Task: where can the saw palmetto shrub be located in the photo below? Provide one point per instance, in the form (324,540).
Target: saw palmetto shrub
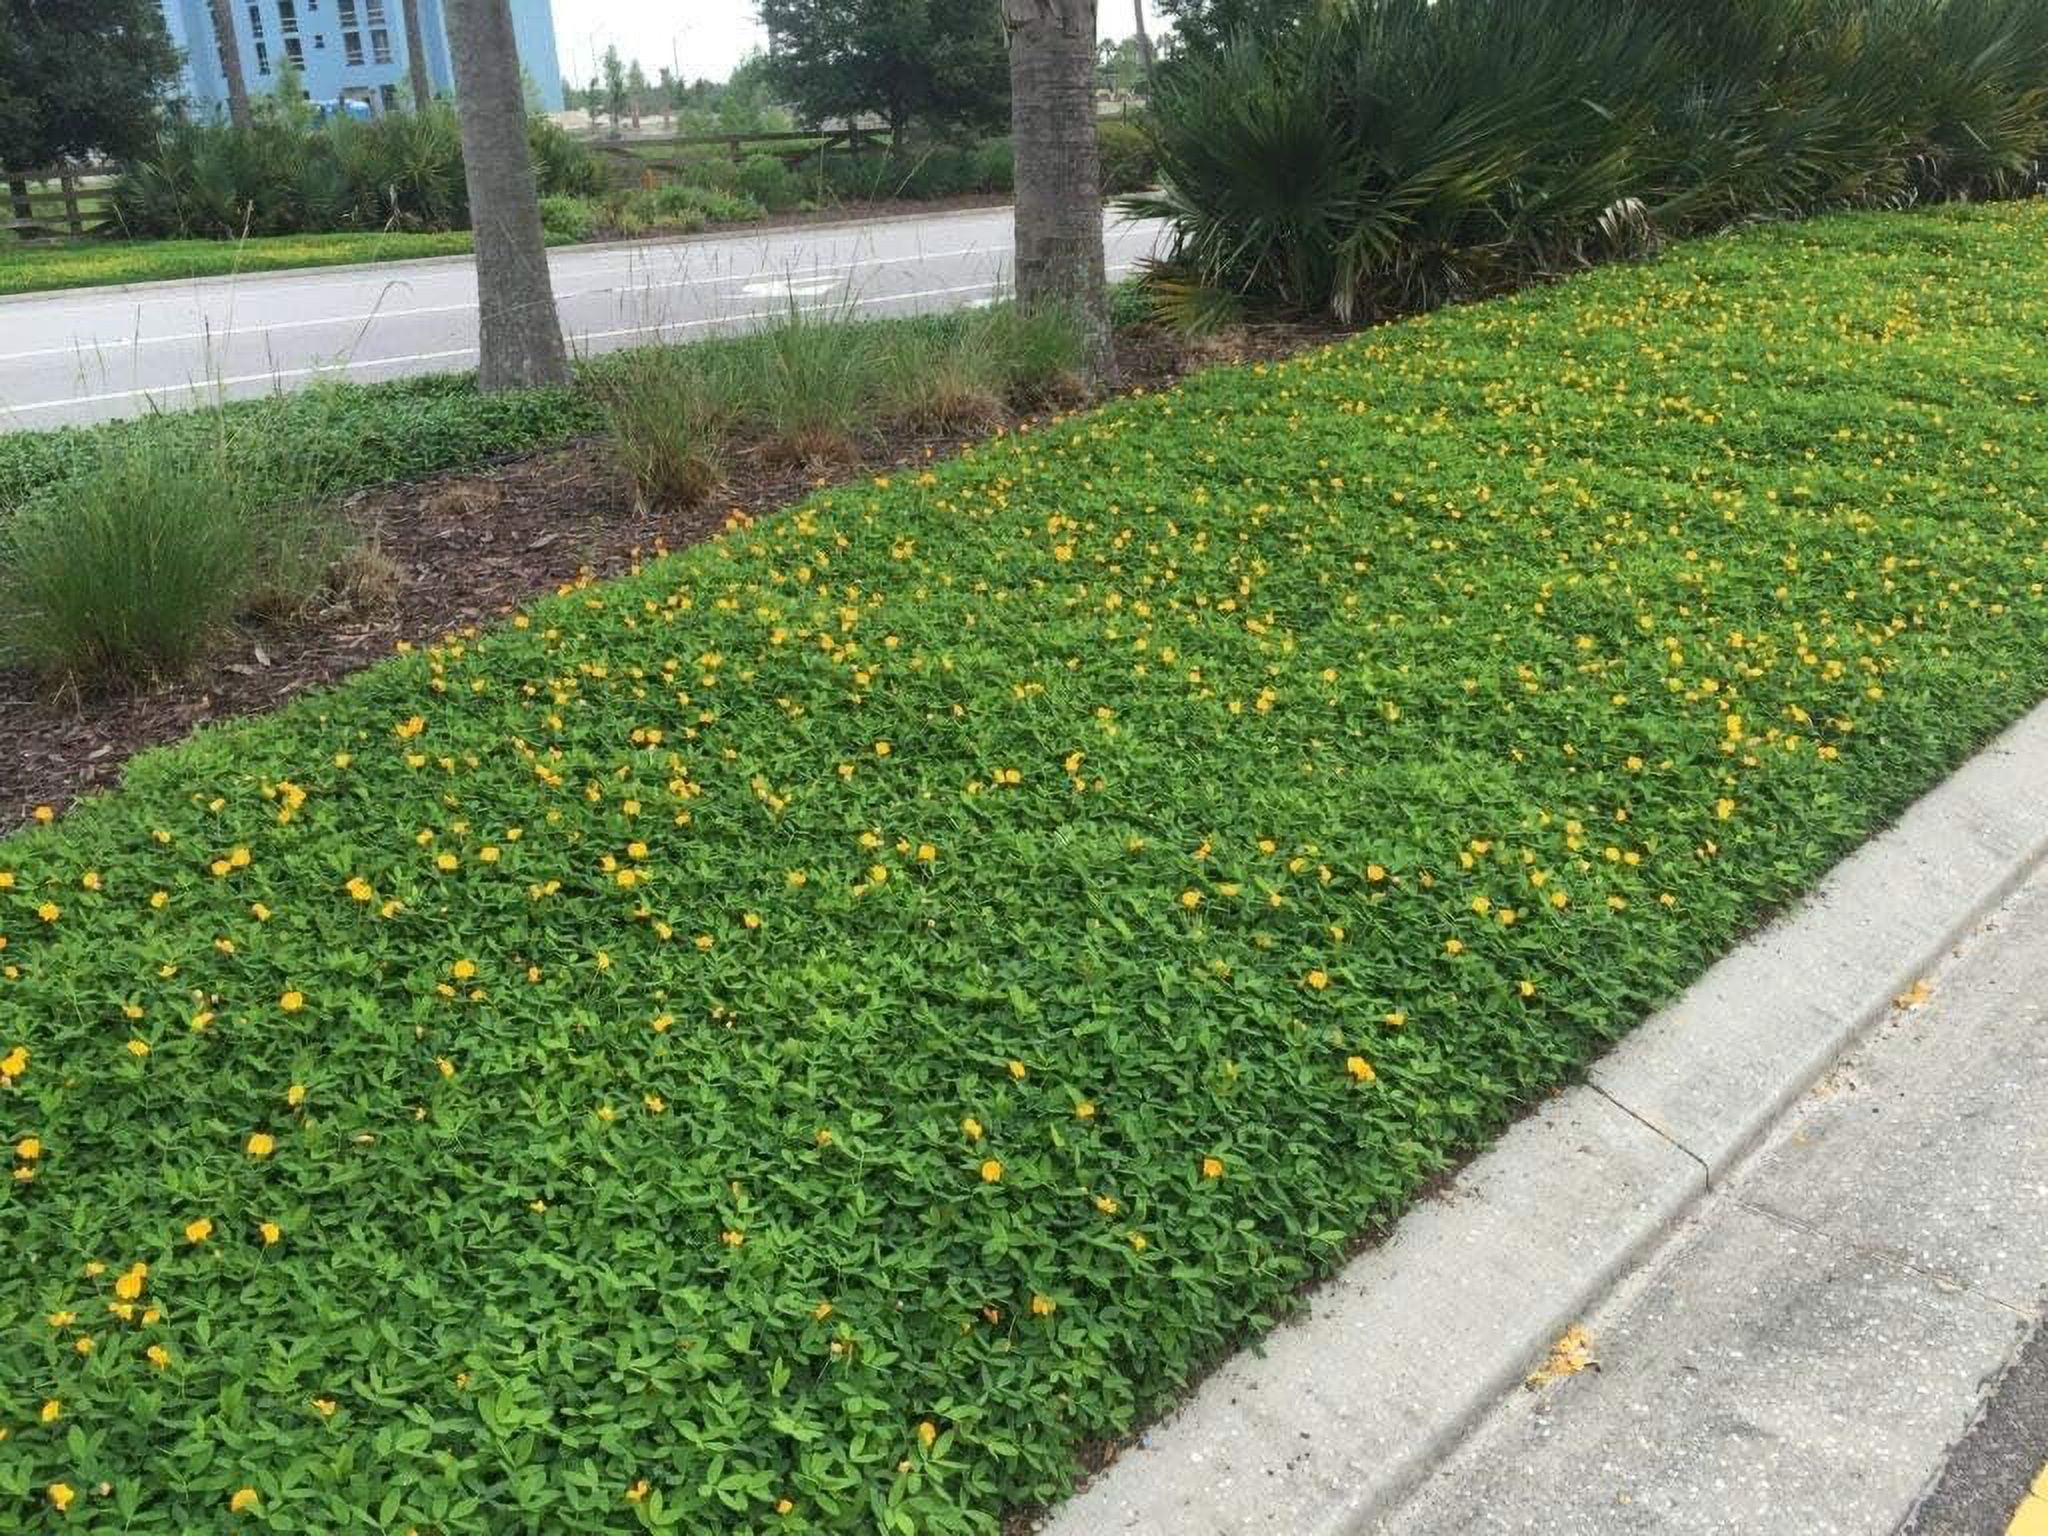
(1397,154)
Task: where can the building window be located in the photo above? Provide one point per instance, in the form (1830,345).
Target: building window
(255,22)
(287,16)
(376,10)
(348,13)
(390,95)
(296,52)
(380,45)
(352,47)
(319,40)
(262,58)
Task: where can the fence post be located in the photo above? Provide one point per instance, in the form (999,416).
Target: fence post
(69,184)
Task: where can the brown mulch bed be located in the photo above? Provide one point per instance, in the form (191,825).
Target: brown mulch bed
(463,548)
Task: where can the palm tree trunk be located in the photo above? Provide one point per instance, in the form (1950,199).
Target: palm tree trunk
(1145,55)
(1059,173)
(519,337)
(231,62)
(416,56)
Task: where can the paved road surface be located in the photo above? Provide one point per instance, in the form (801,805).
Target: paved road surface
(94,354)
(1836,1342)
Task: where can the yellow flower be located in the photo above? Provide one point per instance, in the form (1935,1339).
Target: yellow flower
(52,1411)
(28,1149)
(1018,1070)
(639,1491)
(138,1048)
(158,1356)
(1360,1069)
(49,911)
(971,1128)
(822,1311)
(732,1238)
(1107,1204)
(1085,1110)
(1454,946)
(991,1172)
(295,1095)
(61,1495)
(292,1002)
(14,1063)
(270,1232)
(130,1284)
(1318,980)
(1191,899)
(1138,1243)
(783,1506)
(1212,1167)
(1043,1306)
(324,1406)
(198,1231)
(462,970)
(242,1500)
(262,1144)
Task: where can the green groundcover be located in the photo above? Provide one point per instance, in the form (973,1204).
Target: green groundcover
(807,1037)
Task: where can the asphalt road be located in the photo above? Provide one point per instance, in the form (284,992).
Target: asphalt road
(95,354)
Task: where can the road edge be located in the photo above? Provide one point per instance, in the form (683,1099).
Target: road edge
(1335,1417)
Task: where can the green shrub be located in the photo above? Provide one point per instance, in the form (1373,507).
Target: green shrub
(1392,154)
(214,182)
(1128,164)
(126,572)
(568,218)
(769,182)
(402,170)
(995,168)
(680,206)
(562,164)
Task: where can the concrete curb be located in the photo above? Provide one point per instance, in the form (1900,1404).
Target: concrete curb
(1342,1413)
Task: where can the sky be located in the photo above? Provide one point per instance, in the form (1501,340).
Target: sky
(705,38)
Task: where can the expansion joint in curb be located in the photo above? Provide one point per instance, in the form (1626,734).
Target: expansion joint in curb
(1706,1171)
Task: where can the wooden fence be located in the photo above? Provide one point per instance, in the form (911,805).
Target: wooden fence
(62,200)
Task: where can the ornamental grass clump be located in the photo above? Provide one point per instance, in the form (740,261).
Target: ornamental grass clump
(125,572)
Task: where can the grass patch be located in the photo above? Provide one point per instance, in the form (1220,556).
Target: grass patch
(799,1039)
(332,438)
(33,266)
(128,570)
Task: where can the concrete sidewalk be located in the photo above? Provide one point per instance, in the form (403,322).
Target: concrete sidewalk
(1807,1347)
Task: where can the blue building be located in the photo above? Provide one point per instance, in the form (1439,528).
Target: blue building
(350,54)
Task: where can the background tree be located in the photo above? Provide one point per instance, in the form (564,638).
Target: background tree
(636,91)
(937,62)
(1205,26)
(1059,171)
(223,12)
(519,342)
(416,56)
(614,87)
(80,77)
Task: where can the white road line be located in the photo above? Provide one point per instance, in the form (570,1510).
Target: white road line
(657,329)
